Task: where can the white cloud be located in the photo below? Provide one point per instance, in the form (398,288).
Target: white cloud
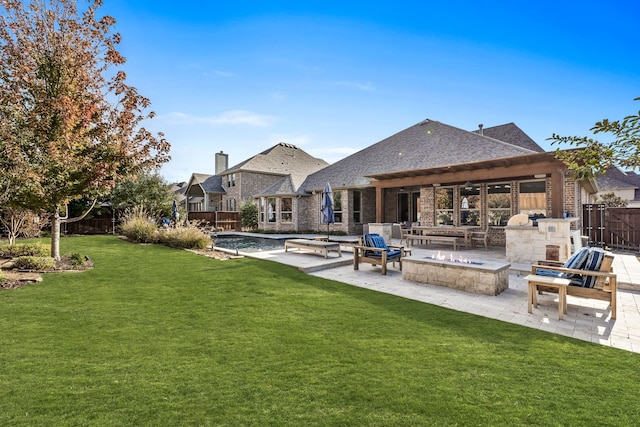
(226,118)
(366,86)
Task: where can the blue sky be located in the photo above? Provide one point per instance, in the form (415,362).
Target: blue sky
(335,77)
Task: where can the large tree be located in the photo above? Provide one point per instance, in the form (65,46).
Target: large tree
(149,191)
(70,126)
(593,157)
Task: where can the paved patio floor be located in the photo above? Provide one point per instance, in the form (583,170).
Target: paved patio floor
(587,319)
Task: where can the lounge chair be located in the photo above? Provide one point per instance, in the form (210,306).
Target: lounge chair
(588,274)
(373,249)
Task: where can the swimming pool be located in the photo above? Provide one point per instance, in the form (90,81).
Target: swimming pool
(248,243)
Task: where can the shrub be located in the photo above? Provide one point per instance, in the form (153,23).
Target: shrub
(249,215)
(24,249)
(187,237)
(77,260)
(138,226)
(34,263)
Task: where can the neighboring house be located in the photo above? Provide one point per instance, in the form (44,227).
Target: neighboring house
(623,184)
(204,193)
(271,178)
(179,189)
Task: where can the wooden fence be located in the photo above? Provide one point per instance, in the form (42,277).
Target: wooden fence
(219,220)
(89,226)
(617,228)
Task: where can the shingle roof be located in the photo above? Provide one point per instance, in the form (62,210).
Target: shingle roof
(427,144)
(282,186)
(281,159)
(615,179)
(209,183)
(513,135)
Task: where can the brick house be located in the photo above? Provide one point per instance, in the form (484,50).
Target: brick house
(276,174)
(434,173)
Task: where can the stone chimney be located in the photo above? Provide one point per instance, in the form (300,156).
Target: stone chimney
(480,129)
(222,162)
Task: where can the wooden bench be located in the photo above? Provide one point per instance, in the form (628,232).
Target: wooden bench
(313,245)
(604,289)
(409,238)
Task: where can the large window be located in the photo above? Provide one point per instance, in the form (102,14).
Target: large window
(533,198)
(231,180)
(470,205)
(271,209)
(286,209)
(337,206)
(499,203)
(357,206)
(444,206)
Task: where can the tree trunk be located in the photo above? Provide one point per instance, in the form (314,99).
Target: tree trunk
(55,235)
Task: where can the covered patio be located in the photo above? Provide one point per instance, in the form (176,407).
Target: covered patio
(482,194)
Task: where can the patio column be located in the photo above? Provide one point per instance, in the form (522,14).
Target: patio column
(379,204)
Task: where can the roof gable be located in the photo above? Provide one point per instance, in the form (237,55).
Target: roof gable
(208,183)
(428,144)
(283,186)
(281,159)
(512,134)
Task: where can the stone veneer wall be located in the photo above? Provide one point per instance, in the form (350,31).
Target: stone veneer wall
(489,278)
(427,205)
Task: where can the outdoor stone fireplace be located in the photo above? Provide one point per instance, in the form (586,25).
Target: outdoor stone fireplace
(486,277)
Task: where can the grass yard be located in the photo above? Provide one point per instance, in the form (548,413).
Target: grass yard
(156,336)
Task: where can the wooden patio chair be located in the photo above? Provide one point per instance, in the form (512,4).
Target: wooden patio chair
(373,249)
(480,236)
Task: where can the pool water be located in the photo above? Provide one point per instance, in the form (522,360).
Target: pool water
(248,243)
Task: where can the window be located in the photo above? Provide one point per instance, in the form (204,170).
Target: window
(470,205)
(286,209)
(444,206)
(533,198)
(499,203)
(357,203)
(271,209)
(231,180)
(337,206)
(262,208)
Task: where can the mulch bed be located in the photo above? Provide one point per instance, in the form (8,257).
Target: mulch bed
(14,279)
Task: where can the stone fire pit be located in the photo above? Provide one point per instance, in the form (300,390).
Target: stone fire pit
(482,277)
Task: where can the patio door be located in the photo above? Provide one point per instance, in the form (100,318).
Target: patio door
(403,207)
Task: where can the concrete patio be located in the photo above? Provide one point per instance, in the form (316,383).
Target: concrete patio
(588,320)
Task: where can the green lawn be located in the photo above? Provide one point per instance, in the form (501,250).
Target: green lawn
(157,336)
